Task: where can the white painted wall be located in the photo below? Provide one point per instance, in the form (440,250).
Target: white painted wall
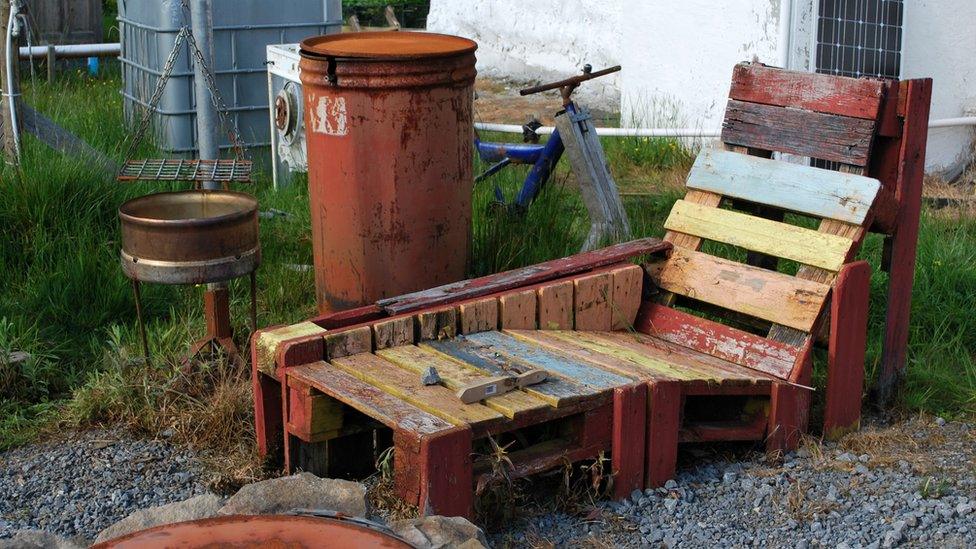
(940,42)
(538,40)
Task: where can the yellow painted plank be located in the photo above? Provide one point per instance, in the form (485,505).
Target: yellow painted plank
(802,245)
(439,401)
(769,295)
(268,341)
(456,374)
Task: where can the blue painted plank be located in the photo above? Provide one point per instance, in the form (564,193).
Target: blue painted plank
(514,349)
(795,187)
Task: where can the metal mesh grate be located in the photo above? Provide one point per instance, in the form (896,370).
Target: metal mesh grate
(186,170)
(860,37)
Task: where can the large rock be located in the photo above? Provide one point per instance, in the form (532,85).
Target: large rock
(195,508)
(301,491)
(437,532)
(37,539)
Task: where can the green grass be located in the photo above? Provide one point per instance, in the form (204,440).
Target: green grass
(63,297)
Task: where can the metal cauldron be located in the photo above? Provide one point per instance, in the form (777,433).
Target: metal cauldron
(190,237)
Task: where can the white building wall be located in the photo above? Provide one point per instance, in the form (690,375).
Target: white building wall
(940,42)
(540,40)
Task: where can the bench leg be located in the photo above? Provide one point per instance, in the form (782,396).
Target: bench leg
(848,335)
(789,406)
(627,443)
(446,475)
(663,423)
(268,421)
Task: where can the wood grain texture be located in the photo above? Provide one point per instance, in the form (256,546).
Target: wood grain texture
(556,306)
(794,187)
(517,310)
(845,352)
(394,332)
(760,235)
(267,341)
(446,474)
(377,404)
(628,285)
(627,439)
(348,342)
(663,425)
(718,340)
(855,97)
(479,316)
(591,301)
(435,399)
(456,375)
(768,295)
(817,135)
(438,324)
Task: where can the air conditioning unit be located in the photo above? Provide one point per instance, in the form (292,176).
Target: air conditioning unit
(287,113)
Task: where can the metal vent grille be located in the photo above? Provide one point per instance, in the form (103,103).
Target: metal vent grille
(860,37)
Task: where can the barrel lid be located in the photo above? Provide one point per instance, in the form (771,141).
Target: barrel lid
(387,45)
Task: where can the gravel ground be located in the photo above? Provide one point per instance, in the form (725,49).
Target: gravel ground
(913,485)
(83,483)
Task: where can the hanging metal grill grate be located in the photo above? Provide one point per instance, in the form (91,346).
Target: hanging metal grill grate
(222,171)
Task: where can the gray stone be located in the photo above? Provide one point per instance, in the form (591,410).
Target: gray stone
(437,532)
(671,484)
(940,421)
(430,376)
(301,491)
(38,539)
(199,507)
(729,477)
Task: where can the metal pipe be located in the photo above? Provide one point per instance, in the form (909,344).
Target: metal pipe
(784,43)
(953,122)
(66,51)
(11,94)
(201,21)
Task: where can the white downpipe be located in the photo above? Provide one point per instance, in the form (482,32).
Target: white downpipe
(785,33)
(10,95)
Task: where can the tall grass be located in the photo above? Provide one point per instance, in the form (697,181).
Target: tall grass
(64,300)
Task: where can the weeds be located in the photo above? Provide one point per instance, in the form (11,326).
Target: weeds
(930,488)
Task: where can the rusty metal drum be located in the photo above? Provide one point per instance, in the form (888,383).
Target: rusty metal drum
(190,237)
(388,119)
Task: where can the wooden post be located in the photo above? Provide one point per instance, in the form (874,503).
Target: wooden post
(9,143)
(848,335)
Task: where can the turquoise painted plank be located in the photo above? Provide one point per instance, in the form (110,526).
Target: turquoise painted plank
(485,358)
(795,187)
(514,349)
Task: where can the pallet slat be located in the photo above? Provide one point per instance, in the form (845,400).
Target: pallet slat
(804,189)
(757,292)
(817,135)
(761,235)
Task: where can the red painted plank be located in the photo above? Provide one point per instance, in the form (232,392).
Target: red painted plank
(855,97)
(805,133)
(718,340)
(541,272)
(848,336)
(663,423)
(627,442)
(908,191)
(446,474)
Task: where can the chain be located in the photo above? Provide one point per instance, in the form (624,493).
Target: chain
(218,102)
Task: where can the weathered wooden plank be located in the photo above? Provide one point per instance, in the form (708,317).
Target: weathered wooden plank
(439,324)
(794,187)
(456,374)
(394,332)
(479,316)
(591,302)
(542,272)
(435,399)
(760,235)
(387,409)
(517,311)
(556,306)
(719,340)
(519,351)
(817,135)
(626,296)
(855,97)
(348,342)
(845,362)
(768,295)
(555,390)
(268,341)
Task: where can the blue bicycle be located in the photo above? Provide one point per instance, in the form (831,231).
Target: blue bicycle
(542,157)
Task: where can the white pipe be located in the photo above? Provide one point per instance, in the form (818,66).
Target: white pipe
(953,122)
(610,132)
(785,32)
(109,49)
(10,95)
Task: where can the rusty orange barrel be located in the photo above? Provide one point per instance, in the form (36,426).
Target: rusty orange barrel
(388,121)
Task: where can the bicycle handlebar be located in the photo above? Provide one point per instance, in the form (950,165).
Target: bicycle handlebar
(574,81)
